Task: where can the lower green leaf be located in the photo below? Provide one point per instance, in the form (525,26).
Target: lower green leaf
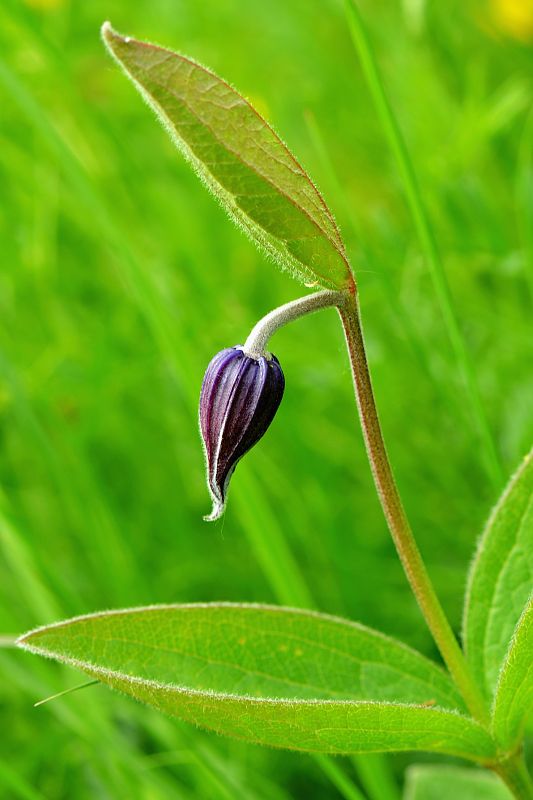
(429,782)
(281,677)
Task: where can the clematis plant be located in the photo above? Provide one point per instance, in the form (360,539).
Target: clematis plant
(334,686)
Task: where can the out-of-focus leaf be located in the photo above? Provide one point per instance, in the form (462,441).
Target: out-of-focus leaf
(432,782)
(276,676)
(501,579)
(240,159)
(514,693)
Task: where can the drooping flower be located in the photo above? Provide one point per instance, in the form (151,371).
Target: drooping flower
(239,398)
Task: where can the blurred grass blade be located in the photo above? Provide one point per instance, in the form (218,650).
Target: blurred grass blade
(270,675)
(514,694)
(499,584)
(443,782)
(523,191)
(64,693)
(16,784)
(240,159)
(337,777)
(426,235)
(376,776)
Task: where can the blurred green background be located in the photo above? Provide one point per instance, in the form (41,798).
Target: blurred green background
(120,278)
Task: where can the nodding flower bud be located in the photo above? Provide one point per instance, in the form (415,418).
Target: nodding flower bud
(239,398)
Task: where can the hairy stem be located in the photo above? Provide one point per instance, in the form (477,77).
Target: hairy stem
(257,341)
(396,518)
(515,775)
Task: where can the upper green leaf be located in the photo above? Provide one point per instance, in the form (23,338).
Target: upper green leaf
(278,676)
(240,159)
(501,579)
(514,693)
(444,782)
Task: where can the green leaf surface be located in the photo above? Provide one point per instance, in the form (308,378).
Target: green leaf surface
(431,782)
(240,159)
(277,676)
(513,702)
(501,579)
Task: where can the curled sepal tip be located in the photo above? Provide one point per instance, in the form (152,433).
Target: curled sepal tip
(239,398)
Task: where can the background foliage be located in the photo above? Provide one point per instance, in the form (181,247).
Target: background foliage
(121,277)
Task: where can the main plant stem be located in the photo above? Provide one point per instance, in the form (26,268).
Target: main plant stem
(515,775)
(396,518)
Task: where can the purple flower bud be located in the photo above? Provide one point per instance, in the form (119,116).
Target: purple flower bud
(239,398)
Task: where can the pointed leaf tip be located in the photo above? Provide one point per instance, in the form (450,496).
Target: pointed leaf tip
(107,31)
(113,40)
